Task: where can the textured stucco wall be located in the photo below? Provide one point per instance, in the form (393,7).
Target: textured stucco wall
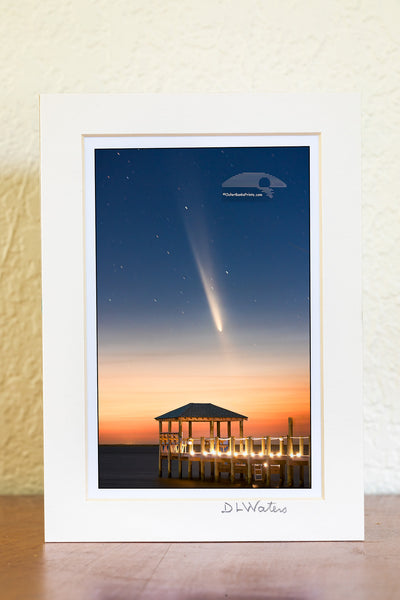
(191,46)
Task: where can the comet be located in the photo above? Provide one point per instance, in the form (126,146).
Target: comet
(197,234)
(210,292)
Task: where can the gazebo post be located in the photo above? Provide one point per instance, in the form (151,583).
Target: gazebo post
(241,436)
(202,476)
(218,428)
(169,447)
(179,450)
(211,435)
(190,448)
(232,451)
(229,425)
(159,449)
(212,448)
(216,472)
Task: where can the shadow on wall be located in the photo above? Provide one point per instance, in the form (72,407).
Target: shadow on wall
(21,437)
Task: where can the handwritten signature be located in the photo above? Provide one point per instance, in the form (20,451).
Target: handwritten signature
(260,506)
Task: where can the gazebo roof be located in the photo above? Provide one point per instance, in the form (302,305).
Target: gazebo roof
(200,411)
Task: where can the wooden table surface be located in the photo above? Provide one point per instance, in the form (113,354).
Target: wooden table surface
(29,569)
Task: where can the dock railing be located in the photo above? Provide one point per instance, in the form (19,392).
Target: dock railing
(268,446)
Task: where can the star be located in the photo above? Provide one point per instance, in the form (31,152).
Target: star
(155,300)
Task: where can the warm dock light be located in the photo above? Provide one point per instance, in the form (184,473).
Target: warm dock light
(219,453)
(292,455)
(205,453)
(298,454)
(279,454)
(252,454)
(265,464)
(244,453)
(235,454)
(260,454)
(192,453)
(229,453)
(271,454)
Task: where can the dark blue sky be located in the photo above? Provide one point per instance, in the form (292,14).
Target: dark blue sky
(156,207)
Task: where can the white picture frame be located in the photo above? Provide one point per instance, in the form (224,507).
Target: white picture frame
(72,126)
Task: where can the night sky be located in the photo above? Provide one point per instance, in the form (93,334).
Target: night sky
(176,262)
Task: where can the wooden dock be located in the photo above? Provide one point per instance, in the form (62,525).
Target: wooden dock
(270,461)
(264,461)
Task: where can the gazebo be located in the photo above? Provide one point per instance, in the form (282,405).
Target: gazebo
(204,413)
(173,443)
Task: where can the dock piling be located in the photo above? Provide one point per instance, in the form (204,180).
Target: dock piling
(202,471)
(232,452)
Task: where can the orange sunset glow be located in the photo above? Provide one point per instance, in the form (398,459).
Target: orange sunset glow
(131,395)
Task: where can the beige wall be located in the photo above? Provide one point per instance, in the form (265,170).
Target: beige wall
(207,46)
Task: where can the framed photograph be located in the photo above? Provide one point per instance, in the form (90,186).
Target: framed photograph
(202,317)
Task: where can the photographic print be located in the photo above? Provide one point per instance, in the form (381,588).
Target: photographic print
(203,316)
